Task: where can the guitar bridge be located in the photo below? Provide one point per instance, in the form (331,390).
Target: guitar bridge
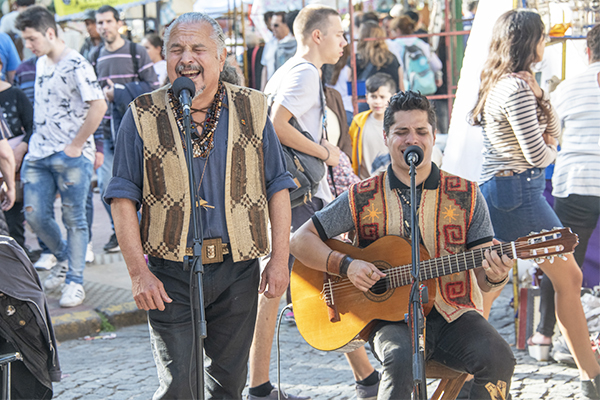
(327,296)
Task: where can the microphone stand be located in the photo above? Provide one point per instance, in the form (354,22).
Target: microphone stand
(196,262)
(416,306)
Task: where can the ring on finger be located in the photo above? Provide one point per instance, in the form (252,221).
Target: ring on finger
(370,274)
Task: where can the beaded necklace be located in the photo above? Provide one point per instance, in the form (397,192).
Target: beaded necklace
(202,143)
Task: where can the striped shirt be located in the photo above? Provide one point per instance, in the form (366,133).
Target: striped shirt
(513,124)
(577,168)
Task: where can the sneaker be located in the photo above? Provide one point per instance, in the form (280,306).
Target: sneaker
(57,275)
(274,395)
(72,295)
(367,392)
(45,262)
(113,245)
(89,254)
(288,318)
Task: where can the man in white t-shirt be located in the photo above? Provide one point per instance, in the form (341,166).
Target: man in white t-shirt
(69,106)
(297,93)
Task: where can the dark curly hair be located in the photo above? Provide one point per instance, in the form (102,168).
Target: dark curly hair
(408,101)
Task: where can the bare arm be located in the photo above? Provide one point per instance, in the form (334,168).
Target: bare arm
(401,78)
(148,291)
(7,167)
(275,277)
(308,248)
(289,136)
(496,268)
(92,121)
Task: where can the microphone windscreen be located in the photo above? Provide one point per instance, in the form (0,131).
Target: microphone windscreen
(415,150)
(183,83)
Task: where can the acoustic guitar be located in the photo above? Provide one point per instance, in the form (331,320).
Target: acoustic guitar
(332,314)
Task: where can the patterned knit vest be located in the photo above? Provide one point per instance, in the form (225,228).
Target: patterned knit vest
(444,218)
(166,208)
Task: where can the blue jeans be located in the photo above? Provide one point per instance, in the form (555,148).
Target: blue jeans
(104,174)
(517,204)
(71,178)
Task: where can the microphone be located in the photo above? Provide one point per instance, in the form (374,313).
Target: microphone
(184,89)
(413,154)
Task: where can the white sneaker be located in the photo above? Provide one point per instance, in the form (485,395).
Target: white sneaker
(72,295)
(89,254)
(45,262)
(57,275)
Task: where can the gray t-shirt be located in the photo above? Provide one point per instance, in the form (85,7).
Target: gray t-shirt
(61,94)
(336,218)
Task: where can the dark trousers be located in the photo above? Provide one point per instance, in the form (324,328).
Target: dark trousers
(230,300)
(15,218)
(580,213)
(468,344)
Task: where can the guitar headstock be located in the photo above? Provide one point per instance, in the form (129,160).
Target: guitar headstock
(546,244)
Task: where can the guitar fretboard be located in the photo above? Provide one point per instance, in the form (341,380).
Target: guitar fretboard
(445,265)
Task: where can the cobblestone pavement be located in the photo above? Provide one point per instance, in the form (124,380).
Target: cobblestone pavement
(122,367)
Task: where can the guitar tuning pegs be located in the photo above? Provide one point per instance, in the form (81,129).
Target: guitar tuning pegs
(538,260)
(551,259)
(545,230)
(563,257)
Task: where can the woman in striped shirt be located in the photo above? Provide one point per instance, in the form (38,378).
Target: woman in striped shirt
(520,137)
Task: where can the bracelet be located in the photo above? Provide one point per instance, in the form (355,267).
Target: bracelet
(334,261)
(345,264)
(495,284)
(328,153)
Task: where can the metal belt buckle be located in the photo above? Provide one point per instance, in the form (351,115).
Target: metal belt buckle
(506,172)
(212,251)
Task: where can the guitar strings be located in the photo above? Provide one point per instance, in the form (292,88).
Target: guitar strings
(402,275)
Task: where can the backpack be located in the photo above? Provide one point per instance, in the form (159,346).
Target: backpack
(417,71)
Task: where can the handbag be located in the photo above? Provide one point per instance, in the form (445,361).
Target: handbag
(343,176)
(307,171)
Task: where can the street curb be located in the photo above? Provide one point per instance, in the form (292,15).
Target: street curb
(83,323)
(124,314)
(75,325)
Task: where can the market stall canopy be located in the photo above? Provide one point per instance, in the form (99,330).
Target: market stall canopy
(217,8)
(67,10)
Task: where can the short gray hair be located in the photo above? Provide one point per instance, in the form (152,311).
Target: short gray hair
(194,18)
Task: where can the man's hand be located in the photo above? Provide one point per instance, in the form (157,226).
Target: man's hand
(72,150)
(364,274)
(550,141)
(19,153)
(109,90)
(275,278)
(149,292)
(7,196)
(334,153)
(98,160)
(495,267)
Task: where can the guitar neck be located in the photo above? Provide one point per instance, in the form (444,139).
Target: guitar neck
(446,265)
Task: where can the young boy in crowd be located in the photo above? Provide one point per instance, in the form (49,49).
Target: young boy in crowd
(369,152)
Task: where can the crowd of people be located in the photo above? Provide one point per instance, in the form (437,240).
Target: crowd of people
(109,109)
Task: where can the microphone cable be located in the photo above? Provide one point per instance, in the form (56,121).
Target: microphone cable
(288,307)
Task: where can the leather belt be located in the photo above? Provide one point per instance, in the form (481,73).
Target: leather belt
(506,172)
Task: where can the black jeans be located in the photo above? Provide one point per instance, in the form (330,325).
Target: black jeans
(468,344)
(230,300)
(580,213)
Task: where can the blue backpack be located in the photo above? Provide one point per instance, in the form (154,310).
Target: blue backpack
(417,71)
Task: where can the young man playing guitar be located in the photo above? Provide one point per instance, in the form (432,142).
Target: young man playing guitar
(453,218)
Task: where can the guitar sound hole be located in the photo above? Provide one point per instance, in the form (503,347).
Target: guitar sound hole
(380,287)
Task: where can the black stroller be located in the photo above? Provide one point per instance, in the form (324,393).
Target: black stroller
(28,356)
